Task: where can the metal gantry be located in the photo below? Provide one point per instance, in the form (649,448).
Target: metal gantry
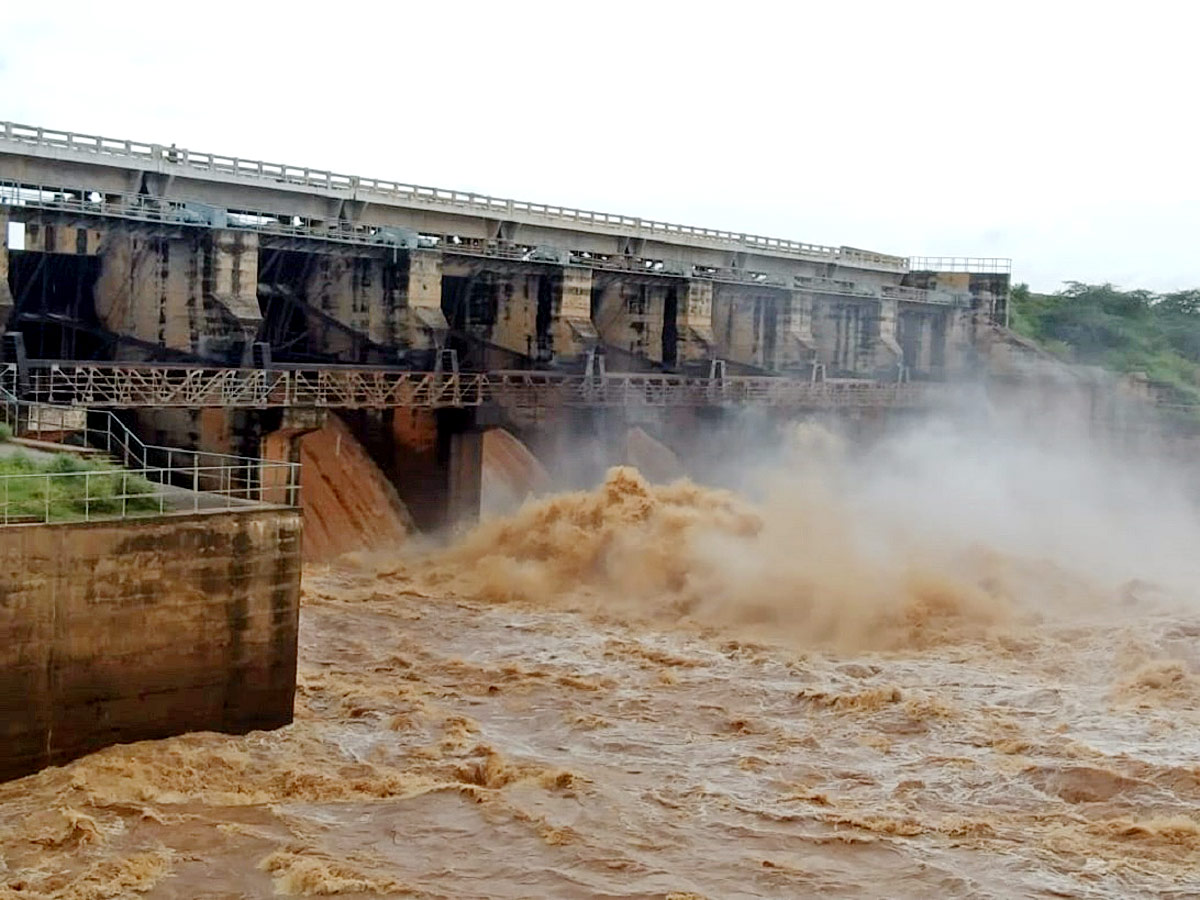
(144,385)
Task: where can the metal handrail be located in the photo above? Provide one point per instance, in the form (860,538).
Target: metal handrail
(93,495)
(181,474)
(111,434)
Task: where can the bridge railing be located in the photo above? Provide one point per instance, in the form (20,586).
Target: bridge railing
(421,195)
(87,143)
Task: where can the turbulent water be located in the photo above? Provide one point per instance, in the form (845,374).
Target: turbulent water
(676,692)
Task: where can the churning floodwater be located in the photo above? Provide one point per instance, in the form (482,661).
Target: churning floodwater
(970,673)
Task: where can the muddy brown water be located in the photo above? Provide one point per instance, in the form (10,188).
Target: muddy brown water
(552,709)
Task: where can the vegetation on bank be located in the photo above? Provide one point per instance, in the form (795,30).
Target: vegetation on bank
(1123,331)
(77,488)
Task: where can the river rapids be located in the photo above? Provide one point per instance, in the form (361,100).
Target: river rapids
(648,691)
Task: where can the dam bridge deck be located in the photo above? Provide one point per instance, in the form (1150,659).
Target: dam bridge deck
(213,168)
(342,205)
(39,203)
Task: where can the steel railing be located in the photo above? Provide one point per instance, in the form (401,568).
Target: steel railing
(146,479)
(90,495)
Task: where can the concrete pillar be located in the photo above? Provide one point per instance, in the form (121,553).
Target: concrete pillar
(629,317)
(734,325)
(842,329)
(356,292)
(888,354)
(910,334)
(929,349)
(694,323)
(197,294)
(538,311)
(6,297)
(797,346)
(422,324)
(283,445)
(967,341)
(765,327)
(152,288)
(231,281)
(436,465)
(922,332)
(464,473)
(571,331)
(516,295)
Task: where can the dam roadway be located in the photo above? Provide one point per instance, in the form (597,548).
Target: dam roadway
(35,155)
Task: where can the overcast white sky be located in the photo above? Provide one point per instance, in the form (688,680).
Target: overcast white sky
(1060,134)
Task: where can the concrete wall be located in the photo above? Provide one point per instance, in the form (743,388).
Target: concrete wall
(631,313)
(125,631)
(197,291)
(747,323)
(537,310)
(355,291)
(151,288)
(922,332)
(847,333)
(423,324)
(572,332)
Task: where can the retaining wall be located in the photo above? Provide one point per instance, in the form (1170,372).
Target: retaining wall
(122,631)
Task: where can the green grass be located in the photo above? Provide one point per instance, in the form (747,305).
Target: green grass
(78,489)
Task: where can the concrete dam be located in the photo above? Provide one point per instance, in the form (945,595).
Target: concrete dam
(917,625)
(229,305)
(275,346)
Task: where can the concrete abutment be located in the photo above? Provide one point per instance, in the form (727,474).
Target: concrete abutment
(132,630)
